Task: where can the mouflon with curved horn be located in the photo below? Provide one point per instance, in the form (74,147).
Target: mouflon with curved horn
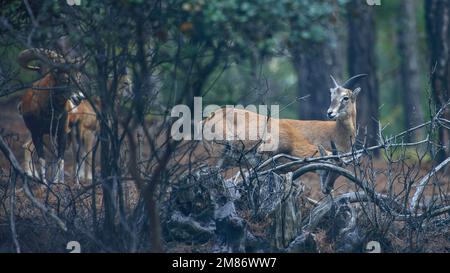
(43,106)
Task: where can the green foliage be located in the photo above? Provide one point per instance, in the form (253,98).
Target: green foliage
(257,24)
(226,48)
(391,104)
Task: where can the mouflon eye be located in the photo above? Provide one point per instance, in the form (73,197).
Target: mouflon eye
(346,98)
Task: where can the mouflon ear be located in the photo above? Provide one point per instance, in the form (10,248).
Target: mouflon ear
(356,92)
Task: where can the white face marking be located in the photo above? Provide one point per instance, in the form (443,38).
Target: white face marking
(340,102)
(73,108)
(80,95)
(77,97)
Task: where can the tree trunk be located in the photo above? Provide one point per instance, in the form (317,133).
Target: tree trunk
(361,59)
(107,171)
(314,65)
(437,13)
(409,66)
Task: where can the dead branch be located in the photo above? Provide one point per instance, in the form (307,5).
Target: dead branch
(18,169)
(11,215)
(423,183)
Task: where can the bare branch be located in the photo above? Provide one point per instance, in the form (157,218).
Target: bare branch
(423,183)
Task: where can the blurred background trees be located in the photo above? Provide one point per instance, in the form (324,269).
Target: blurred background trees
(409,54)
(362,60)
(291,47)
(438,30)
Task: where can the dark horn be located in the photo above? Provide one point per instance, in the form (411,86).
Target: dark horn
(25,57)
(353,80)
(46,57)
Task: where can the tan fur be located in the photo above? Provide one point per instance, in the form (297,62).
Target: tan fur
(341,132)
(291,141)
(44,113)
(43,105)
(299,138)
(84,125)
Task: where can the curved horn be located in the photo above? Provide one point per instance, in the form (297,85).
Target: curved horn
(25,57)
(334,81)
(46,56)
(353,80)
